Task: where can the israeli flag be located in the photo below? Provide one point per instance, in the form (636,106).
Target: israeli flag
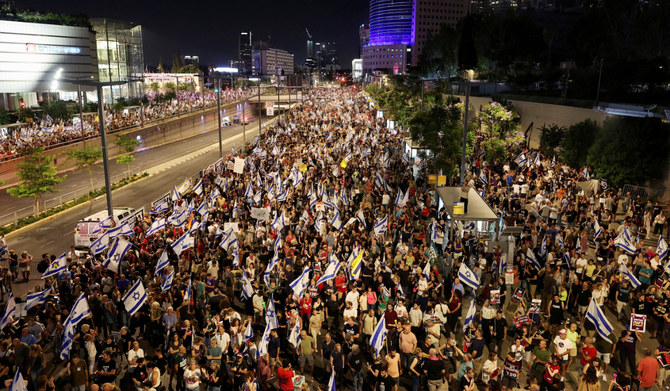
(530,257)
(633,280)
(68,335)
(160,208)
(400,290)
(279,222)
(379,336)
(162,263)
(3,245)
(520,160)
(198,189)
(470,316)
(116,253)
(156,226)
(300,284)
(403,201)
(553,161)
(468,277)
(249,193)
(543,248)
(10,310)
(100,244)
(597,229)
(381,226)
(80,310)
(229,239)
(247,288)
(264,342)
(166,285)
(18,384)
(586,173)
(268,269)
(202,208)
(124,230)
(537,159)
(559,241)
(336,222)
(597,317)
(248,332)
(483,178)
(271,315)
(331,382)
(426,270)
(188,294)
(621,242)
(294,339)
(330,273)
(566,259)
(183,243)
(175,195)
(662,248)
(603,184)
(36,299)
(135,297)
(219,181)
(178,218)
(361,217)
(57,266)
(107,223)
(578,245)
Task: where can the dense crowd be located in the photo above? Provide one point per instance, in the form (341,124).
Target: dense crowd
(48,132)
(355,279)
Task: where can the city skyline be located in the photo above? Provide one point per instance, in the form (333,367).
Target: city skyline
(195,32)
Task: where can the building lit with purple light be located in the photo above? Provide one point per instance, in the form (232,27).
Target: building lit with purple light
(390,36)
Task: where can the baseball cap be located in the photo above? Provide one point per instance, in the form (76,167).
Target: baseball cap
(562,331)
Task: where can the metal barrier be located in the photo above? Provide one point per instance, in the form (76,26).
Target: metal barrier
(647,193)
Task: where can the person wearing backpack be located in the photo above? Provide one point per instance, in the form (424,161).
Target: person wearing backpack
(416,368)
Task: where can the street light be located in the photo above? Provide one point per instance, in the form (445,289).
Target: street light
(469,73)
(103,139)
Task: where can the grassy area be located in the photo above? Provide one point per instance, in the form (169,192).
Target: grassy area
(24,221)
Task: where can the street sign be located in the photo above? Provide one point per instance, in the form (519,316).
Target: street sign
(270,108)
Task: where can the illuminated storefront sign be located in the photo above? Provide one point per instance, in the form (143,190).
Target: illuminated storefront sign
(50,49)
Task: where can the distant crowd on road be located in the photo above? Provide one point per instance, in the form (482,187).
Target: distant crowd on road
(319,255)
(48,132)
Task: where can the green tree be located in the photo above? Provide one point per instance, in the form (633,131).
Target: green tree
(495,151)
(177,63)
(4,117)
(154,87)
(85,159)
(439,130)
(57,110)
(25,113)
(576,142)
(191,68)
(630,150)
(127,145)
(169,86)
(550,138)
(38,176)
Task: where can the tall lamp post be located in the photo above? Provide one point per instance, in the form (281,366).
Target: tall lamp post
(217,90)
(259,105)
(468,77)
(103,137)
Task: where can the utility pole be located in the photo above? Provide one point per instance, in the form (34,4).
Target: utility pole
(465,127)
(81,115)
(218,114)
(244,119)
(600,74)
(259,104)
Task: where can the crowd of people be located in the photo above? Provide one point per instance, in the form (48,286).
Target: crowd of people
(48,132)
(314,259)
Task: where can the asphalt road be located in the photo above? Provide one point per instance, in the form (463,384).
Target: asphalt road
(183,159)
(77,182)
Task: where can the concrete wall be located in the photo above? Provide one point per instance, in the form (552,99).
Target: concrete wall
(542,113)
(158,133)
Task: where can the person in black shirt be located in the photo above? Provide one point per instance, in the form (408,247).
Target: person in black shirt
(106,369)
(384,381)
(498,331)
(374,372)
(434,369)
(355,365)
(467,382)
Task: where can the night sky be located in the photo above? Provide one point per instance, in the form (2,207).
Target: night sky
(209,29)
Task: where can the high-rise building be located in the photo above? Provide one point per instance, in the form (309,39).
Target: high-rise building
(390,36)
(244,53)
(429,16)
(271,61)
(327,57)
(363,37)
(120,57)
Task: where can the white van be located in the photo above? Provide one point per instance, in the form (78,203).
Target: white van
(83,236)
(225,121)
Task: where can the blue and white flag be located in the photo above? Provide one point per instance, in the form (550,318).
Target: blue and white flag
(271,314)
(578,245)
(662,248)
(566,259)
(520,160)
(247,288)
(3,245)
(300,284)
(597,229)
(530,257)
(175,194)
(468,277)
(162,263)
(116,253)
(279,222)
(537,159)
(160,208)
(188,294)
(135,297)
(229,240)
(330,273)
(202,208)
(182,244)
(400,290)
(483,178)
(603,184)
(559,241)
(381,226)
(100,244)
(361,218)
(249,193)
(543,248)
(178,217)
(264,342)
(18,384)
(268,269)
(198,189)
(80,310)
(36,299)
(336,222)
(248,332)
(401,202)
(379,336)
(586,174)
(470,316)
(156,226)
(553,161)
(294,338)
(166,285)
(8,313)
(331,383)
(124,230)
(107,223)
(624,244)
(57,266)
(597,317)
(633,280)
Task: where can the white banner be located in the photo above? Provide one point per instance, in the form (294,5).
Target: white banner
(260,214)
(239,166)
(228,226)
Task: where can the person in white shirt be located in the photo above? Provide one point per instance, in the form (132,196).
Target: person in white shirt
(352,297)
(580,264)
(135,353)
(400,309)
(415,315)
(350,311)
(599,293)
(192,376)
(562,346)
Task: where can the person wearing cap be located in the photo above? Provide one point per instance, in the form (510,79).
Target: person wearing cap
(562,346)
